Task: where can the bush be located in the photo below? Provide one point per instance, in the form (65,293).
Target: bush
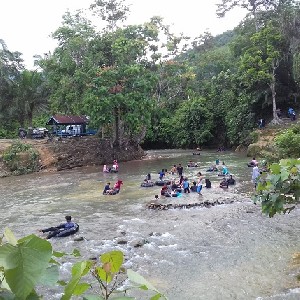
(288,142)
(21,158)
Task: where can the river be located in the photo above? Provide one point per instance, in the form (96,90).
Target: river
(228,251)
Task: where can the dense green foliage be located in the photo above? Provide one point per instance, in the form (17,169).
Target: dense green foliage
(21,158)
(288,142)
(143,83)
(30,263)
(278,190)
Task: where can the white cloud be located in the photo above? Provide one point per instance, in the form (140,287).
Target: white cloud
(26,25)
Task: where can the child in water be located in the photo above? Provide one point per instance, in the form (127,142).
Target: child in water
(106,189)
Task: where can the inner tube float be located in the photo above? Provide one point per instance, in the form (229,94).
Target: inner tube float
(147,184)
(250,165)
(162,182)
(113,171)
(196,153)
(221,174)
(212,170)
(112,193)
(192,165)
(177,194)
(68,232)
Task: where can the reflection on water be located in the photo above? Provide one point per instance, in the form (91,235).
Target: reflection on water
(224,252)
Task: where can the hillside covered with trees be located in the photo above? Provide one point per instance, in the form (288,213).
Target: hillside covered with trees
(142,83)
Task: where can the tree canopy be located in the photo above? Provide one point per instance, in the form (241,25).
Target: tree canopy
(141,82)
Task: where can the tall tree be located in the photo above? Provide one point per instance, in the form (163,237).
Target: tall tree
(253,6)
(11,66)
(31,96)
(68,69)
(110,11)
(261,60)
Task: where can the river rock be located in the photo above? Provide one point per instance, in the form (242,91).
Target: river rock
(122,242)
(155,234)
(139,243)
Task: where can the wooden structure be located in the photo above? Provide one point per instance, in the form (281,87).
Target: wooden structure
(66,125)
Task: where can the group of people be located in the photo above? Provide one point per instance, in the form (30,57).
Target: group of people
(175,170)
(172,190)
(290,113)
(114,190)
(182,185)
(113,169)
(226,182)
(223,170)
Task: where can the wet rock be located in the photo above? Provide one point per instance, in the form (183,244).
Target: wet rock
(122,242)
(93,258)
(78,239)
(207,204)
(155,234)
(139,243)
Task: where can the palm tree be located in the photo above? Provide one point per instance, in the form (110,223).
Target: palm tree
(32,95)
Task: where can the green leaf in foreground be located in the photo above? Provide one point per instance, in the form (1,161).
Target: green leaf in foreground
(92,297)
(139,279)
(11,239)
(25,263)
(79,270)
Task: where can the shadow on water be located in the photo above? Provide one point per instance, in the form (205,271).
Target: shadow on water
(224,252)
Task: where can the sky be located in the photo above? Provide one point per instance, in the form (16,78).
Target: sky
(26,25)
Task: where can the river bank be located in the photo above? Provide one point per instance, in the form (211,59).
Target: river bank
(68,153)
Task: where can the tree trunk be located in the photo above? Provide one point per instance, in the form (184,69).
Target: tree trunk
(30,117)
(276,119)
(117,125)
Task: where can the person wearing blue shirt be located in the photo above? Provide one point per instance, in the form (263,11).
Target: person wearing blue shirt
(62,230)
(161,174)
(107,188)
(186,185)
(292,113)
(225,170)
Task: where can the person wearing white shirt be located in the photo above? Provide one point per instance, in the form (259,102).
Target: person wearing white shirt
(255,175)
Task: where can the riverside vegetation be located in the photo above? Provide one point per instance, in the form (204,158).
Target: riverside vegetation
(144,83)
(21,158)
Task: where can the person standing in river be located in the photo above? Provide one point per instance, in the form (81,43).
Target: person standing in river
(180,170)
(186,186)
(255,175)
(200,183)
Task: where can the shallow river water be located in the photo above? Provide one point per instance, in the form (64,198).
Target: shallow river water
(229,251)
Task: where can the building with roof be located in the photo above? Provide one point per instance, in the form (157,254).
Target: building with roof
(65,125)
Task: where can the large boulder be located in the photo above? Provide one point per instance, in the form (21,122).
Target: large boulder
(254,150)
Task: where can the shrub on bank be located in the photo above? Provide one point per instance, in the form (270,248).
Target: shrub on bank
(21,158)
(288,142)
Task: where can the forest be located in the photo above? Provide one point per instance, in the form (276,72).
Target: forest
(143,83)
